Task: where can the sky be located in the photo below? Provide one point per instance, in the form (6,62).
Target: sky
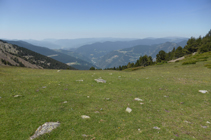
(71,19)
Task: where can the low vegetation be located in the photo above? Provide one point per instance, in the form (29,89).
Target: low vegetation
(172,107)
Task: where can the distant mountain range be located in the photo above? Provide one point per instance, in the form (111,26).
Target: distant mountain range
(14,55)
(71,43)
(99,52)
(64,58)
(96,52)
(123,56)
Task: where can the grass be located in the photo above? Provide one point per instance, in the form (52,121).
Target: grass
(170,93)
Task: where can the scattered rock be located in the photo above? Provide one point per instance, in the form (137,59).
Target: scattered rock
(165,96)
(58,70)
(85,117)
(207,122)
(128,110)
(203,91)
(87,96)
(97,112)
(84,135)
(203,126)
(141,103)
(186,121)
(44,87)
(138,99)
(99,80)
(110,73)
(107,99)
(79,80)
(65,102)
(45,128)
(17,96)
(156,128)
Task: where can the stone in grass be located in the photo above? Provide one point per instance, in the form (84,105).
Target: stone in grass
(85,117)
(79,80)
(156,128)
(99,80)
(45,128)
(65,102)
(128,110)
(207,122)
(203,126)
(138,99)
(203,91)
(17,96)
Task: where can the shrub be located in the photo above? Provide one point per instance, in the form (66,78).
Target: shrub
(189,62)
(208,66)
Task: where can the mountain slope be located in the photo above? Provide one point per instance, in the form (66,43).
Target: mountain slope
(97,50)
(74,62)
(14,55)
(123,56)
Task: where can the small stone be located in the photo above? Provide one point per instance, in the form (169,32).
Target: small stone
(44,87)
(87,96)
(128,110)
(186,121)
(97,112)
(84,135)
(85,117)
(207,122)
(156,128)
(17,96)
(138,99)
(203,91)
(65,102)
(79,80)
(99,80)
(141,103)
(203,126)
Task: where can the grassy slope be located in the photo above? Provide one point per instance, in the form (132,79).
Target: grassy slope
(20,117)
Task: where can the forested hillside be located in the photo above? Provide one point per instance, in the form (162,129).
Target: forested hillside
(14,55)
(199,45)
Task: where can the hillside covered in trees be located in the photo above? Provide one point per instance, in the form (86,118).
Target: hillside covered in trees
(14,55)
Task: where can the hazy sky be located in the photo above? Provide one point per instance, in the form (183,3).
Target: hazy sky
(66,19)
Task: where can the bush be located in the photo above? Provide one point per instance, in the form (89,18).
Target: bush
(189,62)
(92,68)
(208,66)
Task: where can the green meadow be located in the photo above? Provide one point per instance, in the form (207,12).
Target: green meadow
(171,102)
